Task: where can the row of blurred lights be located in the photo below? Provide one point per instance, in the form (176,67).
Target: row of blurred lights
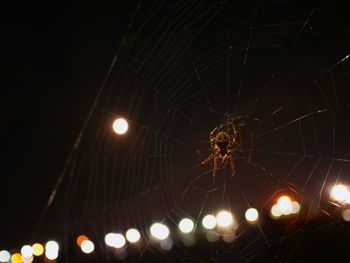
(28,252)
(223,221)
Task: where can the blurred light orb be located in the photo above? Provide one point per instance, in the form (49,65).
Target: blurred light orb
(285,205)
(347,197)
(4,256)
(16,258)
(87,246)
(28,259)
(27,251)
(295,207)
(133,235)
(209,222)
(159,231)
(212,236)
(38,249)
(186,225)
(275,211)
(52,246)
(229,237)
(251,215)
(224,219)
(188,240)
(346,214)
(51,254)
(339,193)
(81,239)
(166,244)
(120,126)
(115,240)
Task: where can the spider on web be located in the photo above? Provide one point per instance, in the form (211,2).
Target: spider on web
(223,142)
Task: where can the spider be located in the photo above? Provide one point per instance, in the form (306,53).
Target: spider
(222,144)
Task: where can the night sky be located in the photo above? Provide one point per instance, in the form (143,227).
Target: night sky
(276,69)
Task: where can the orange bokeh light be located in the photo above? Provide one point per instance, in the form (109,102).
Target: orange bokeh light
(81,239)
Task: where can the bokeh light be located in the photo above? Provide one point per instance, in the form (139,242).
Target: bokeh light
(27,251)
(166,244)
(212,236)
(80,239)
(209,222)
(38,249)
(285,205)
(275,211)
(27,259)
(16,258)
(229,237)
(346,214)
(159,231)
(87,246)
(189,240)
(133,235)
(186,225)
(251,215)
(224,219)
(115,240)
(51,250)
(4,256)
(120,126)
(295,207)
(339,193)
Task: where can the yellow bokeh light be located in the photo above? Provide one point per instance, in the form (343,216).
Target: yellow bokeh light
(81,239)
(16,258)
(120,126)
(295,207)
(38,249)
(251,215)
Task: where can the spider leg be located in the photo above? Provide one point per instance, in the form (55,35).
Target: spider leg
(207,160)
(232,165)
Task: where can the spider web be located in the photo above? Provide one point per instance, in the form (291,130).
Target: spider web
(276,70)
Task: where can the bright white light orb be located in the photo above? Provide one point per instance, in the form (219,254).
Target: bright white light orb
(275,211)
(120,126)
(295,207)
(339,193)
(4,256)
(285,205)
(87,246)
(159,231)
(251,215)
(209,222)
(51,254)
(52,245)
(27,251)
(186,225)
(115,240)
(133,235)
(224,219)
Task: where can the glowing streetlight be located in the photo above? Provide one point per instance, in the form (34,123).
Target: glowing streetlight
(133,235)
(339,193)
(209,222)
(87,246)
(186,225)
(251,215)
(224,219)
(159,231)
(120,126)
